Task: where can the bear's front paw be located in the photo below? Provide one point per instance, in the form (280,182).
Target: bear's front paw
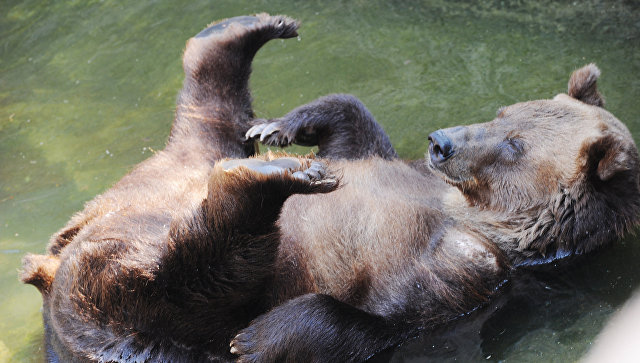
(282,133)
(315,174)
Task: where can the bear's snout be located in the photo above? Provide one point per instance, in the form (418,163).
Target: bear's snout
(440,148)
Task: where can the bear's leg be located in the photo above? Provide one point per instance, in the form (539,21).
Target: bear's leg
(339,124)
(214,106)
(315,328)
(219,261)
(210,279)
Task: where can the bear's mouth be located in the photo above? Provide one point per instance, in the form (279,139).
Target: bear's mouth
(456,182)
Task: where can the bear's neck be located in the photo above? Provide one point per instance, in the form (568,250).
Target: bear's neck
(526,237)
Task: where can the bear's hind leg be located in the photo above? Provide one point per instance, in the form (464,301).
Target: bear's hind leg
(220,260)
(214,106)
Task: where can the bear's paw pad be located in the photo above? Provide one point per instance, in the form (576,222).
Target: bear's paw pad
(315,173)
(220,27)
(277,26)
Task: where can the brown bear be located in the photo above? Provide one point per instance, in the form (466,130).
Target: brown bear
(198,256)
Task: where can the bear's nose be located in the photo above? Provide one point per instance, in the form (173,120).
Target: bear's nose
(441,147)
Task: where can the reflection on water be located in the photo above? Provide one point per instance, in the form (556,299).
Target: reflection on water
(87,89)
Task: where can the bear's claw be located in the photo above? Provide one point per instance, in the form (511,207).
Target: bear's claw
(268,130)
(262,131)
(270,133)
(244,348)
(315,173)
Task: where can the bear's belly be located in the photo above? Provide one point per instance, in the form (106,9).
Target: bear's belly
(415,279)
(381,246)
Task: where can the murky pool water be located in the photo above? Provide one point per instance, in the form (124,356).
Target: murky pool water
(87,89)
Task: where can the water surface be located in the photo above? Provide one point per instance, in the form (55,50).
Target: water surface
(87,89)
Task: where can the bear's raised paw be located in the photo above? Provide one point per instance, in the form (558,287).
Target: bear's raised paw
(277,26)
(206,57)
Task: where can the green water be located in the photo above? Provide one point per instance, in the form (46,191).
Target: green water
(87,89)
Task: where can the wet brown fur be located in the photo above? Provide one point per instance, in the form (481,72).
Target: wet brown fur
(181,257)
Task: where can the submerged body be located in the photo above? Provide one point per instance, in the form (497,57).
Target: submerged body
(195,257)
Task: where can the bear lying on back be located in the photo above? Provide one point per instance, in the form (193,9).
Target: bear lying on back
(199,254)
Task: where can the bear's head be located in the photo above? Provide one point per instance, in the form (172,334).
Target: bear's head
(563,174)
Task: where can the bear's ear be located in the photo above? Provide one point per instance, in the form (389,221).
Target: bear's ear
(582,85)
(606,157)
(39,271)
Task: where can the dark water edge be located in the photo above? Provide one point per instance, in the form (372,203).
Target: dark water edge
(87,89)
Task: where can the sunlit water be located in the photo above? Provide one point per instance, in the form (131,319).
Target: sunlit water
(87,89)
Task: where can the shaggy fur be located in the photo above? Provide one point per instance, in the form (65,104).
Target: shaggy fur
(195,257)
